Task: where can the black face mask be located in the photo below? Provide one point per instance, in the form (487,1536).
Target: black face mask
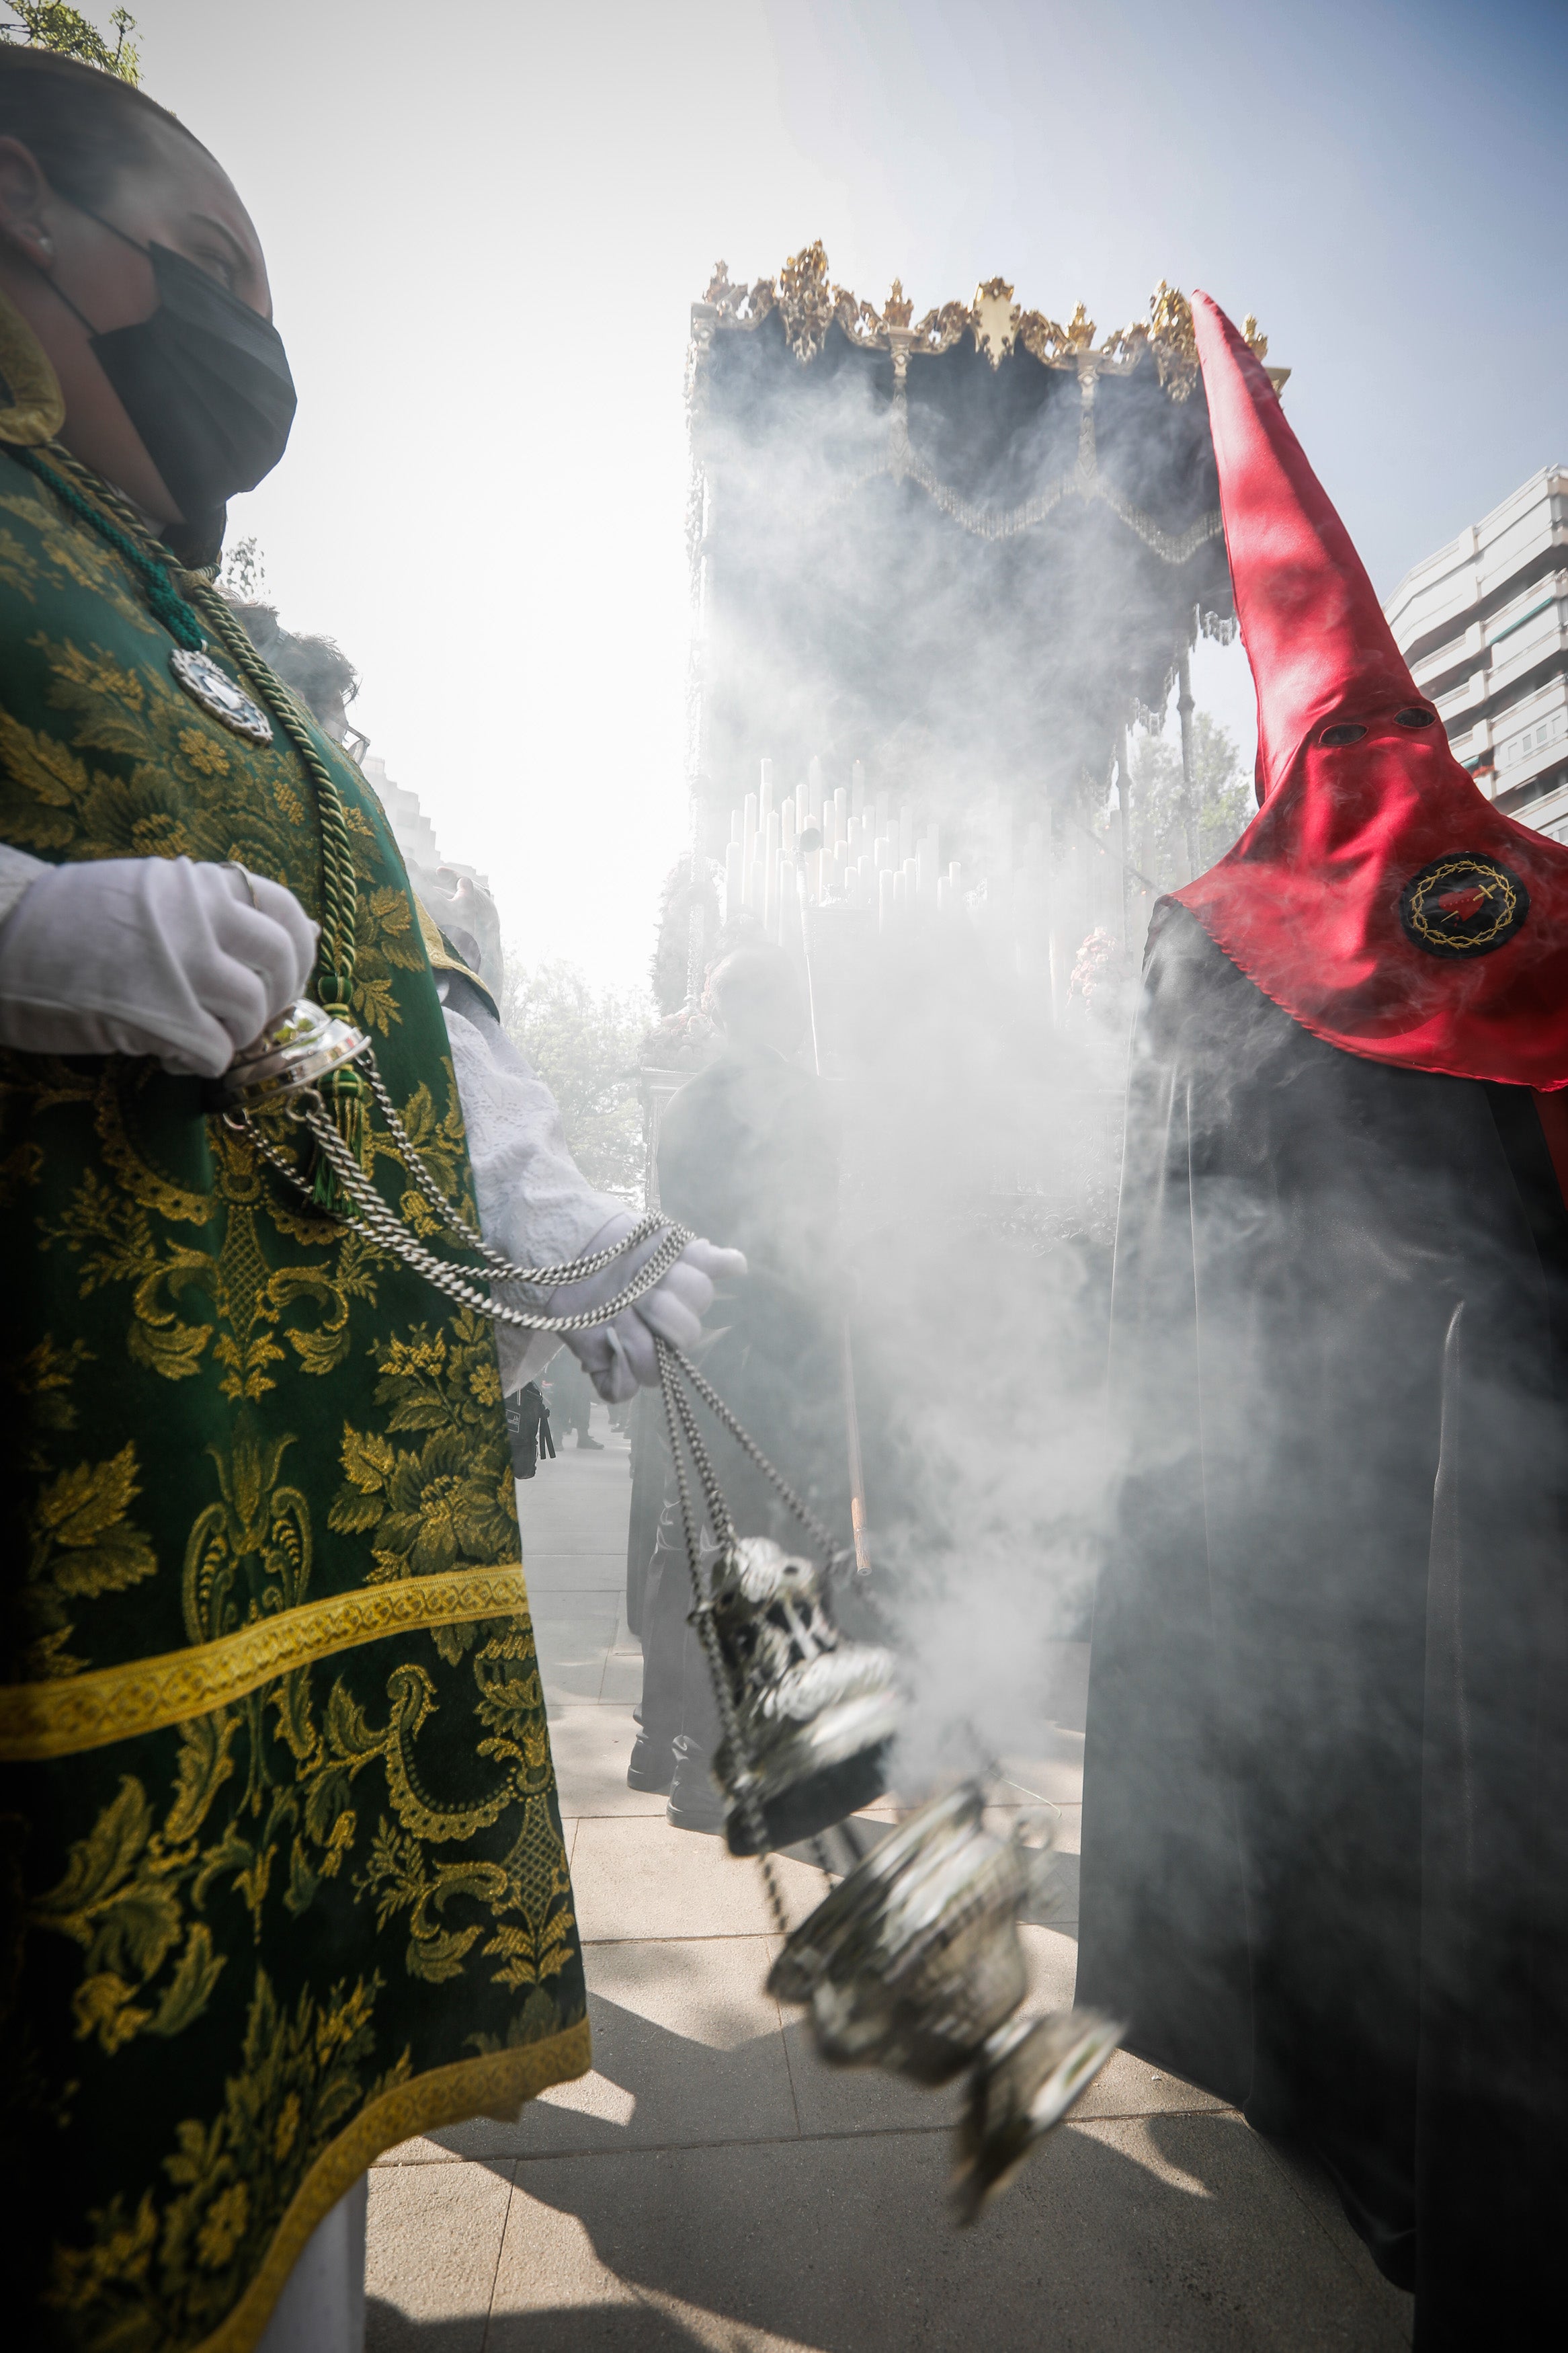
(206,382)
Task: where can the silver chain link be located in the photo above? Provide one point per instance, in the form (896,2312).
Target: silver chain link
(547,1278)
(833,1555)
(742,1776)
(383,1226)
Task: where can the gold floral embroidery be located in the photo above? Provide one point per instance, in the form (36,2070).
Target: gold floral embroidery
(427,1506)
(84,1544)
(165,2272)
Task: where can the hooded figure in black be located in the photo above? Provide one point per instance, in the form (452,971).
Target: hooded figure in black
(1326,1798)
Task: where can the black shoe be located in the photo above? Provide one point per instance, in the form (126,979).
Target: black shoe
(694,1802)
(651,1765)
(597,1444)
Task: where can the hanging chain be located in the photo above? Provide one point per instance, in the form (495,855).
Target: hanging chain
(712,1493)
(382,1225)
(833,1555)
(743,1786)
(546,1277)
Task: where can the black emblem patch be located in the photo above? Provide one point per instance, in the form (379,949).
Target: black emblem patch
(1463,905)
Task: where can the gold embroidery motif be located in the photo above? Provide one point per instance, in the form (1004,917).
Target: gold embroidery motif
(496,2085)
(61,1719)
(83,1544)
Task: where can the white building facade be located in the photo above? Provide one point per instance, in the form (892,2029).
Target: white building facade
(1484,626)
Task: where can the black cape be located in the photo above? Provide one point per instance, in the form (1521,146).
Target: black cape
(1325,1823)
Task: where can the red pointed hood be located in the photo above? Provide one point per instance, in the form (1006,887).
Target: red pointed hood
(1378,897)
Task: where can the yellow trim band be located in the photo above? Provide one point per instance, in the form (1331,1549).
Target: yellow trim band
(496,2088)
(79,1712)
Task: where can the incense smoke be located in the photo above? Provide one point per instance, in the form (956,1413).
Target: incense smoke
(961,693)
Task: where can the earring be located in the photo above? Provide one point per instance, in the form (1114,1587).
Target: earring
(35,407)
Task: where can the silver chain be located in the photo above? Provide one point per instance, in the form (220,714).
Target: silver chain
(742,1776)
(383,1226)
(574,1270)
(833,1555)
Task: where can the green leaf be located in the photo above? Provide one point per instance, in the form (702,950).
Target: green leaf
(191,1989)
(350,1515)
(175,1352)
(300,1894)
(140,1928)
(205,1765)
(100,1862)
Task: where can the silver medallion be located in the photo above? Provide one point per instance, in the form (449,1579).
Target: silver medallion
(217,693)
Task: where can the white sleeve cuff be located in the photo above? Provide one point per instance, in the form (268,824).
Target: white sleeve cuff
(535,1202)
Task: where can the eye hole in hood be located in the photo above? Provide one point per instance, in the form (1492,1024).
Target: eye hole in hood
(1416,717)
(1346,732)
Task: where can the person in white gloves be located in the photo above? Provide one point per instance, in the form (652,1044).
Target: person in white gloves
(537,1206)
(188,962)
(285,1878)
(165,957)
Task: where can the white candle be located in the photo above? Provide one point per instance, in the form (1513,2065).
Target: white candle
(885,884)
(789,906)
(857,788)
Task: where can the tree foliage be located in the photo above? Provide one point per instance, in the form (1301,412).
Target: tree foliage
(1158,843)
(582,1041)
(50,25)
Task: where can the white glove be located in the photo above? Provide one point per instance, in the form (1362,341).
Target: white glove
(149,956)
(619,1356)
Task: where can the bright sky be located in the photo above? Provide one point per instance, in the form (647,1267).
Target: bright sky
(486,224)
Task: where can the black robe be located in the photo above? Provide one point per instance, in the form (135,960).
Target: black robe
(1325,1823)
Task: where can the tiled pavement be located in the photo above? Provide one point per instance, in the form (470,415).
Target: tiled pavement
(712,2184)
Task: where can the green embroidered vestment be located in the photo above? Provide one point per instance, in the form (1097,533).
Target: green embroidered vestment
(280,1849)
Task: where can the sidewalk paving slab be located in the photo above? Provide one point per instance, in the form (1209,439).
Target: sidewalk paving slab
(1176,2232)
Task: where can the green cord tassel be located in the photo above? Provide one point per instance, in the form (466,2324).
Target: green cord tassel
(344,1095)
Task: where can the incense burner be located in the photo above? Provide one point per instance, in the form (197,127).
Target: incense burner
(300,1049)
(914,1963)
(815,1713)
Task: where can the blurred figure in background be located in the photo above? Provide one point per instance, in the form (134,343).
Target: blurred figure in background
(570,1400)
(748,1152)
(527,1426)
